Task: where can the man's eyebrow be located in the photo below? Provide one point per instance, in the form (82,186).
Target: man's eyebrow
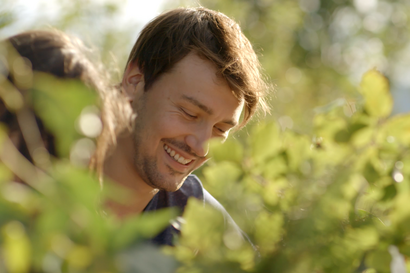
(198,104)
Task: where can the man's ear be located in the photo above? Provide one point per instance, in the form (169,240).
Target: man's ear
(133,81)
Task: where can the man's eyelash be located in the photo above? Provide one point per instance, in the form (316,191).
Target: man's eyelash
(191,116)
(220,130)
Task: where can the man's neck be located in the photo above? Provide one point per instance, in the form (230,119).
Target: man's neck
(119,167)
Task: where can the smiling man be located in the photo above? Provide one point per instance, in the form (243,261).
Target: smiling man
(192,76)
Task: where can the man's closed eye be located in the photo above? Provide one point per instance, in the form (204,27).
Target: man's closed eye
(187,114)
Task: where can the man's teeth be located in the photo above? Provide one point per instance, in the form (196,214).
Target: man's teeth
(176,156)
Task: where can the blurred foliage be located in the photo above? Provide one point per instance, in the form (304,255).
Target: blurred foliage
(321,186)
(314,52)
(334,202)
(56,221)
(94,22)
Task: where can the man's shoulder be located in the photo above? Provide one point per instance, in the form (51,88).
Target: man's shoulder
(230,224)
(193,183)
(192,187)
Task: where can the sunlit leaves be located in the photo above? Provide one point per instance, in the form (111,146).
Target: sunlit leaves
(264,141)
(209,243)
(222,173)
(375,90)
(344,135)
(379,260)
(6,18)
(330,201)
(79,257)
(16,247)
(230,150)
(59,103)
(144,226)
(370,173)
(397,128)
(207,235)
(268,230)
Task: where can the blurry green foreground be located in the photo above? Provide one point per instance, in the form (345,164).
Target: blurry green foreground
(325,188)
(333,201)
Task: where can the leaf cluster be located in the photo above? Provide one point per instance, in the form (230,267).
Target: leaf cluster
(333,201)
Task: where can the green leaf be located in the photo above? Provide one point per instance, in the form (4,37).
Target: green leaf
(379,260)
(370,173)
(375,90)
(6,18)
(338,103)
(16,248)
(344,135)
(390,192)
(5,173)
(264,141)
(398,127)
(78,185)
(146,225)
(203,228)
(222,173)
(59,103)
(268,230)
(230,150)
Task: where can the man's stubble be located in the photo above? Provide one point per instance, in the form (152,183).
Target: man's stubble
(146,166)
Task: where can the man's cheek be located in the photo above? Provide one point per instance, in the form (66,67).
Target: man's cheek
(200,162)
(173,128)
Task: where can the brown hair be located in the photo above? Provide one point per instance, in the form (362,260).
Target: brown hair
(212,35)
(66,57)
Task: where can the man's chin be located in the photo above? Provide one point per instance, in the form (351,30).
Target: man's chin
(173,186)
(169,184)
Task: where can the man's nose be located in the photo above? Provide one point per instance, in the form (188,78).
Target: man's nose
(199,143)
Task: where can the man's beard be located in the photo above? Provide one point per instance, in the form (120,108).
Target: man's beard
(148,170)
(146,166)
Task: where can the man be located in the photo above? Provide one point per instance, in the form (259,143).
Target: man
(190,77)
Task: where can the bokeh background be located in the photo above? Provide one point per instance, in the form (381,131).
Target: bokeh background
(313,52)
(316,188)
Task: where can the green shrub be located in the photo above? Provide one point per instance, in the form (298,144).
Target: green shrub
(332,201)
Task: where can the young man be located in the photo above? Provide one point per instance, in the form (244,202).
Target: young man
(190,78)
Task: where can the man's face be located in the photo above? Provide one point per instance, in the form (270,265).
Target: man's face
(177,116)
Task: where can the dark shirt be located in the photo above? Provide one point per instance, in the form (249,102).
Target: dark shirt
(192,187)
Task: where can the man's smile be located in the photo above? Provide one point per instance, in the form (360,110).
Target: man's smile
(177,157)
